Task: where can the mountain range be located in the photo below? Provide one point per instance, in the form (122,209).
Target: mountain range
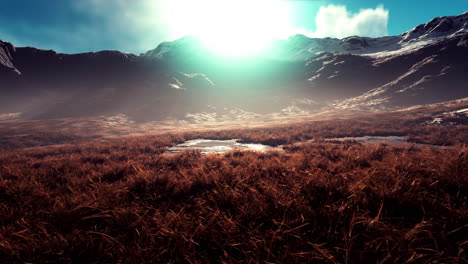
(425,65)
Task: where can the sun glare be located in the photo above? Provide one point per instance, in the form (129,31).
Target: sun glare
(231,27)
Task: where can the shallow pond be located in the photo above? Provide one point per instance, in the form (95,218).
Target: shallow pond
(219,146)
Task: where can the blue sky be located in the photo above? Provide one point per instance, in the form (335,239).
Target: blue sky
(136,26)
(403,14)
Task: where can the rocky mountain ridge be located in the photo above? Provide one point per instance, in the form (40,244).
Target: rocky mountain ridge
(424,65)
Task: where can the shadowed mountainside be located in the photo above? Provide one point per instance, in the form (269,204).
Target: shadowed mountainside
(423,65)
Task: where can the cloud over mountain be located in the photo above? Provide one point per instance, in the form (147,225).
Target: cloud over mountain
(337,21)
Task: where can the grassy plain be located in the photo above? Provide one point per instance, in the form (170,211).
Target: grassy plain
(68,198)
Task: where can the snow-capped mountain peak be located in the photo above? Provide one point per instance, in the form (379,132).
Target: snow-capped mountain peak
(301,47)
(5,54)
(438,27)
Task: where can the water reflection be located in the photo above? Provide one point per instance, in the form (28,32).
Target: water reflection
(207,146)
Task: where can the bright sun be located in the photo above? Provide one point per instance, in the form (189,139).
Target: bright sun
(231,27)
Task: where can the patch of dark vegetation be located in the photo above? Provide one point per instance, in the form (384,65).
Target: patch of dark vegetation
(39,139)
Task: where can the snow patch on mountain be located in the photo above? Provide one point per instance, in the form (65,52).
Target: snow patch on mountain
(301,47)
(183,80)
(6,57)
(438,27)
(441,28)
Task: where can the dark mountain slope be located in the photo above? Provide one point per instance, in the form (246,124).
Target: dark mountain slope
(431,74)
(424,65)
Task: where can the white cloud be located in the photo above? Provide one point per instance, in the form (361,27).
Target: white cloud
(140,25)
(336,21)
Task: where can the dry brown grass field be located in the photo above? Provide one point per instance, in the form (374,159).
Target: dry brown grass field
(124,200)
